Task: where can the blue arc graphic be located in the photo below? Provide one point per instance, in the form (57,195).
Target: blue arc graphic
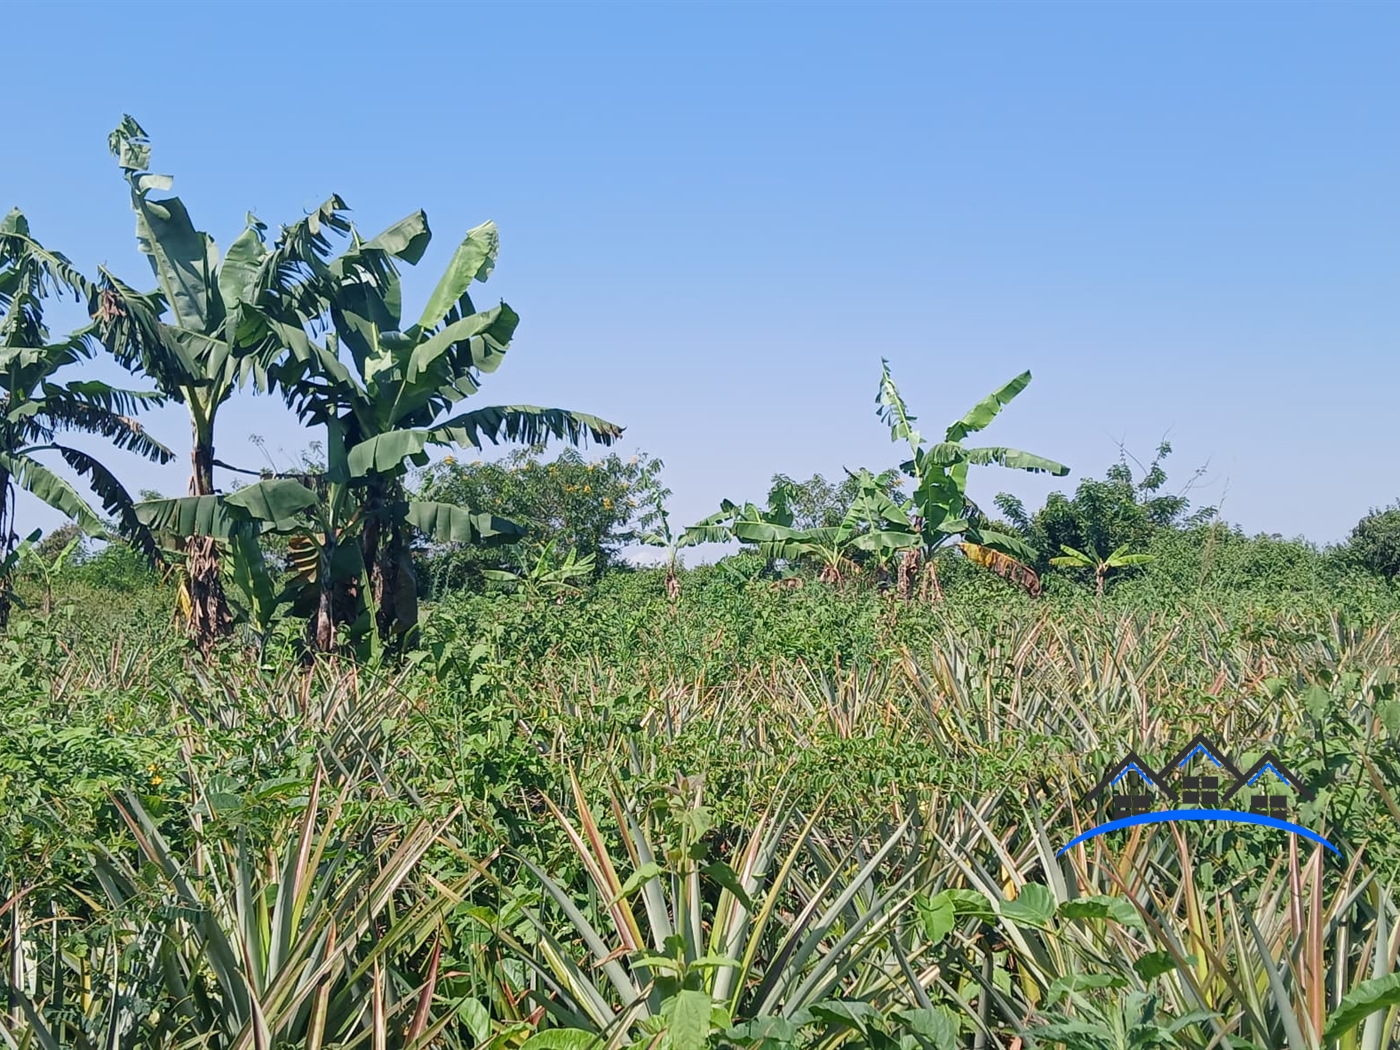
(1236,816)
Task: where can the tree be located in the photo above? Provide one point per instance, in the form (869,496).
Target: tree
(588,506)
(1375,542)
(1106,514)
(939,508)
(35,405)
(386,405)
(1101,565)
(818,503)
(861,534)
(193,336)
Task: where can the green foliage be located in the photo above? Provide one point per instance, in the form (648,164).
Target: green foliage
(939,508)
(599,809)
(821,504)
(36,404)
(1105,515)
(593,507)
(1375,542)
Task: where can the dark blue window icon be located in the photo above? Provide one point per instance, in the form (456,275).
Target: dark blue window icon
(1130,804)
(1202,792)
(1269,805)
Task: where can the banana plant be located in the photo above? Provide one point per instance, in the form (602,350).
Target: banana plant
(939,509)
(193,336)
(31,561)
(392,399)
(874,526)
(543,577)
(35,405)
(1101,566)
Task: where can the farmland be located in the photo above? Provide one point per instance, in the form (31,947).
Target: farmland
(398,749)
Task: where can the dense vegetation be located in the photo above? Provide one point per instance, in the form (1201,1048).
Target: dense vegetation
(431,762)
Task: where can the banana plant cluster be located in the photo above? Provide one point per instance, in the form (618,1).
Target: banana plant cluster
(329,335)
(899,535)
(939,508)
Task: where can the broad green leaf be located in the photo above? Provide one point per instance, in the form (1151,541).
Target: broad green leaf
(938,1026)
(448,523)
(188,516)
(1154,964)
(938,916)
(1390,718)
(1075,982)
(1368,997)
(238,275)
(559,1039)
(406,239)
(726,876)
(478,341)
(182,258)
(472,261)
(1316,700)
(36,479)
(971,902)
(525,424)
(1015,460)
(988,408)
(643,873)
(478,1020)
(386,453)
(688,1014)
(1034,906)
(849,1013)
(278,501)
(770,1029)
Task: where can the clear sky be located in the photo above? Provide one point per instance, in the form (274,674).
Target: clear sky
(717,218)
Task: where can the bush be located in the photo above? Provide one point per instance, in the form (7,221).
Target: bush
(592,507)
(1374,543)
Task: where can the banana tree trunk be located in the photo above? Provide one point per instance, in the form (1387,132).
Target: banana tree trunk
(337,603)
(209,616)
(393,585)
(7,540)
(908,570)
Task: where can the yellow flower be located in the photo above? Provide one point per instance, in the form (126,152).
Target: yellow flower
(625,486)
(607,503)
(587,489)
(449,460)
(155,780)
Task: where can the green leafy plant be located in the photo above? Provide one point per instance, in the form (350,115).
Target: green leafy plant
(1100,565)
(193,335)
(36,405)
(939,508)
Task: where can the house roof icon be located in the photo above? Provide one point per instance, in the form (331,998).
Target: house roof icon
(1131,763)
(1200,744)
(1270,763)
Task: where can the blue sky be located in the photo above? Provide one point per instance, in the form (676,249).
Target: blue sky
(717,218)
